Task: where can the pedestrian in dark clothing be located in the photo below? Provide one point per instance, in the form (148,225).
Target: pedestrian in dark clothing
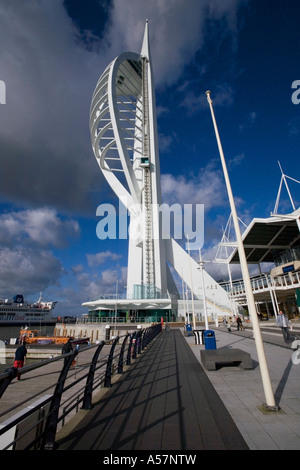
(283,322)
(20,355)
(239,323)
(67,347)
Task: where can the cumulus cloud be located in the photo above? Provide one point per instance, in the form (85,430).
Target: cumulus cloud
(205,188)
(168,26)
(100,258)
(250,121)
(223,96)
(50,74)
(91,286)
(236,161)
(27,271)
(50,70)
(26,263)
(41,227)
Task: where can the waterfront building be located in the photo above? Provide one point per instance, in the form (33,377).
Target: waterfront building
(273,242)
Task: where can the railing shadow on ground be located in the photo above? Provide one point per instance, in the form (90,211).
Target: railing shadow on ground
(35,426)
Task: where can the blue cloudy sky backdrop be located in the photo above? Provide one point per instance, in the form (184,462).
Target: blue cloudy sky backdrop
(52,54)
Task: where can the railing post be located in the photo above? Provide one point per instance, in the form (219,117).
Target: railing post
(87,398)
(132,337)
(12,371)
(139,341)
(121,356)
(145,338)
(48,442)
(135,345)
(108,374)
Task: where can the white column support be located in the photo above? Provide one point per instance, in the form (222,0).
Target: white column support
(269,395)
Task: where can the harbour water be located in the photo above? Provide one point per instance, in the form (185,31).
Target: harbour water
(7,332)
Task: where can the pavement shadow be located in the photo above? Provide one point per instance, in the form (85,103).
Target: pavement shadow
(281,385)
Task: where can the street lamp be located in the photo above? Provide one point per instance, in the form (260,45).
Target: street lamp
(270,401)
(187,306)
(215,314)
(201,264)
(116,307)
(192,288)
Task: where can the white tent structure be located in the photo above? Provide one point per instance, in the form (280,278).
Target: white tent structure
(124,137)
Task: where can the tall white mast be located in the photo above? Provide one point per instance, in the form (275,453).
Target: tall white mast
(270,400)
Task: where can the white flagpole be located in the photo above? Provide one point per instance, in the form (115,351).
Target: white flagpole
(269,396)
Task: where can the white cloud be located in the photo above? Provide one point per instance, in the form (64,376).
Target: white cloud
(100,258)
(27,271)
(45,153)
(91,287)
(205,188)
(178,25)
(50,75)
(236,161)
(41,227)
(223,95)
(250,121)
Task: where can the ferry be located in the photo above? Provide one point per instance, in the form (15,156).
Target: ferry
(19,313)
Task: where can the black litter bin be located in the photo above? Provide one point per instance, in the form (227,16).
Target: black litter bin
(199,336)
(209,339)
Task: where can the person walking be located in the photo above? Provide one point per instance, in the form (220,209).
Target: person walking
(239,323)
(282,322)
(20,356)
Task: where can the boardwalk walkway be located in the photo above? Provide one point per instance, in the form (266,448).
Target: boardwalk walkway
(165,401)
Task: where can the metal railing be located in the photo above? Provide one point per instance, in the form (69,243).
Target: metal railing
(264,283)
(112,320)
(36,426)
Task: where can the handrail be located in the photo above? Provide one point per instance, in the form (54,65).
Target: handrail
(46,426)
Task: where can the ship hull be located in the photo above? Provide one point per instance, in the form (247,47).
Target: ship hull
(27,322)
(17,312)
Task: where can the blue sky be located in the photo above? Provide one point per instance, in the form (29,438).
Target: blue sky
(52,54)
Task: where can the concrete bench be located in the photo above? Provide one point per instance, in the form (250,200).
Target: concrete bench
(235,357)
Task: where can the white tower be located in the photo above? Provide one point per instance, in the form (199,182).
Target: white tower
(124,138)
(125,143)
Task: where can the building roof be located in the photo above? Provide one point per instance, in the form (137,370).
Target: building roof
(265,238)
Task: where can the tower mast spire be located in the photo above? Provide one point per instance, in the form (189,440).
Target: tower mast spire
(145,51)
